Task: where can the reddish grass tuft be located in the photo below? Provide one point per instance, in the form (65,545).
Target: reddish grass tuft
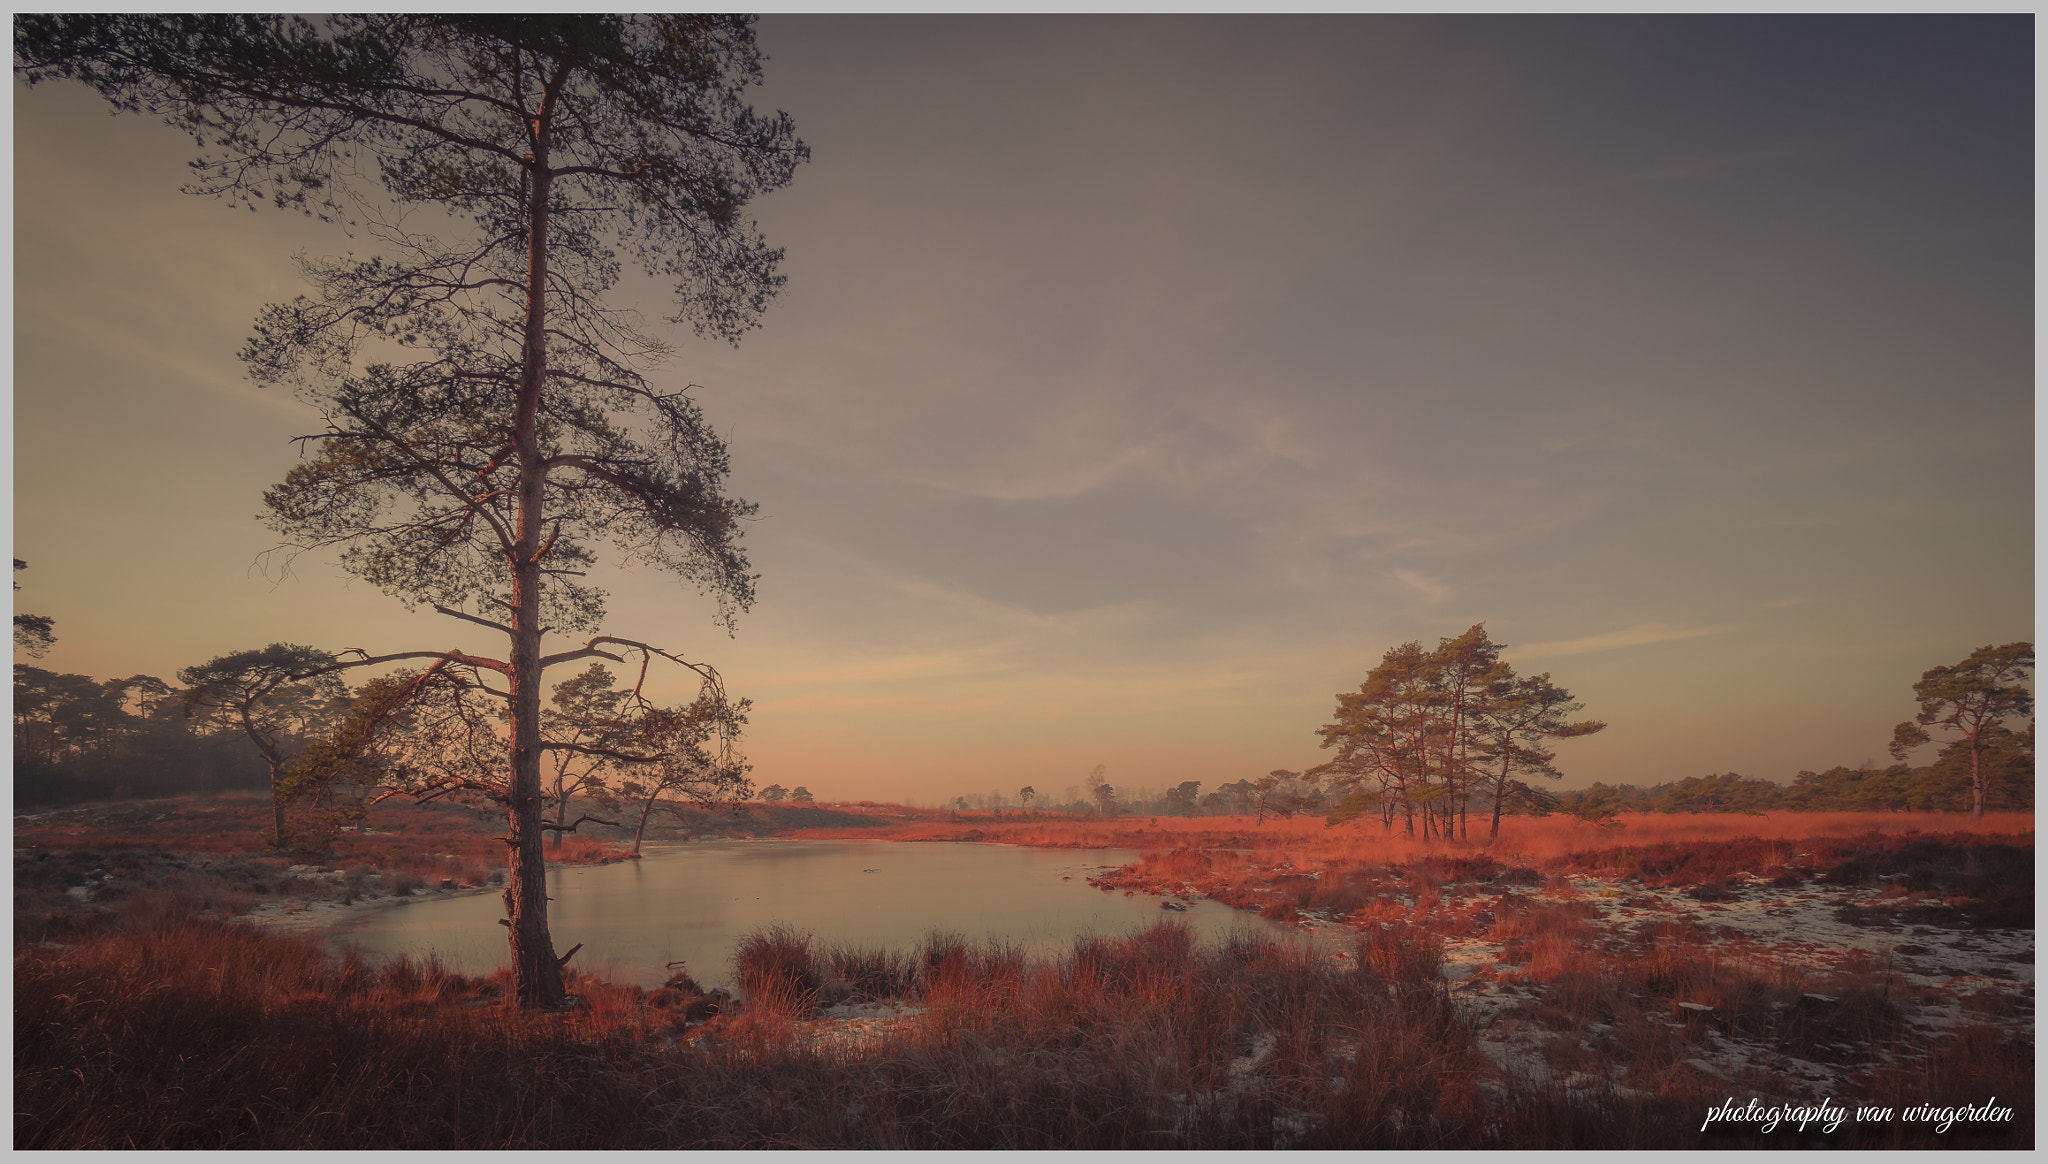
(777,972)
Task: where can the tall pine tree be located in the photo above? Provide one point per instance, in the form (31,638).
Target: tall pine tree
(488,418)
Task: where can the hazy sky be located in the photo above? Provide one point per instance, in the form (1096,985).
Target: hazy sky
(1140,381)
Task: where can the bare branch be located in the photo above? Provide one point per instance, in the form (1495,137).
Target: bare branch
(439,609)
(570,828)
(369,660)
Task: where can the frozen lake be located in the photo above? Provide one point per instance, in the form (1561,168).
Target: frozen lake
(693,902)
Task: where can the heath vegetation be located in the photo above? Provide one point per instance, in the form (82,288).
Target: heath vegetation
(1470,957)
(1555,990)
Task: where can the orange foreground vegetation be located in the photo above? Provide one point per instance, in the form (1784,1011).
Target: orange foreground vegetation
(1521,838)
(449,840)
(1273,867)
(234,822)
(1590,1033)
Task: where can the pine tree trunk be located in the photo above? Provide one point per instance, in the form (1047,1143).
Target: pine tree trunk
(536,975)
(277,802)
(1500,791)
(646,810)
(273,758)
(1976,780)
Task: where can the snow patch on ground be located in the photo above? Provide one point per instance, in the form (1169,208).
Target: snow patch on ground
(855,1026)
(1799,927)
(314,915)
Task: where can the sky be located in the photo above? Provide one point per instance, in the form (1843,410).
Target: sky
(1140,381)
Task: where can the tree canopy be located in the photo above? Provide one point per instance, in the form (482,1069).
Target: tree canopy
(1429,730)
(34,634)
(1974,699)
(274,694)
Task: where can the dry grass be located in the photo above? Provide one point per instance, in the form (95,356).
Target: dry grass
(1283,869)
(165,1028)
(1522,838)
(427,843)
(158,1023)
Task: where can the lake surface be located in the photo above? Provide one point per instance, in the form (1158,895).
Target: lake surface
(692,903)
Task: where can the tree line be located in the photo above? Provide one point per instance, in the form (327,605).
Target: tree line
(1983,707)
(277,718)
(1431,734)
(1943,786)
(81,739)
(1276,794)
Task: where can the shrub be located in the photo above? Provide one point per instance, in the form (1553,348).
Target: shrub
(777,971)
(869,975)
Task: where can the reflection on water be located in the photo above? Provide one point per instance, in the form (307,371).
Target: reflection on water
(693,902)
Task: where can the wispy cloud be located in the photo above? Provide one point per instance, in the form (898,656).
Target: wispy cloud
(219,377)
(1064,484)
(1431,591)
(1637,636)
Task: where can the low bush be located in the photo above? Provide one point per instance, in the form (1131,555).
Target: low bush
(777,971)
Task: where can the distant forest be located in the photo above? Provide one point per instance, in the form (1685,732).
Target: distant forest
(1435,737)
(1943,786)
(80,739)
